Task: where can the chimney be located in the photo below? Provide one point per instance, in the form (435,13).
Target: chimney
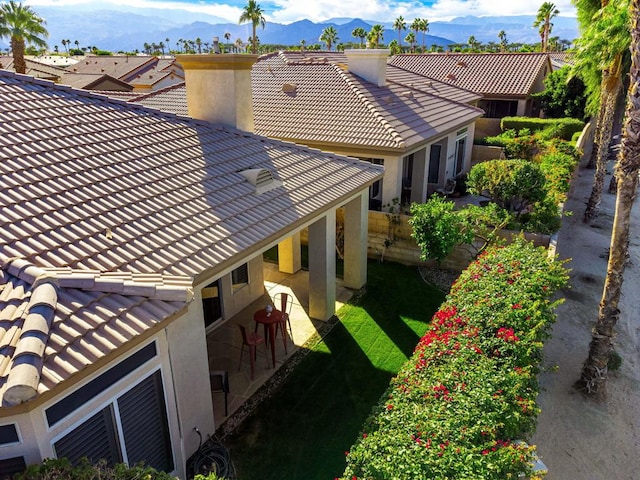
(219,88)
(369,64)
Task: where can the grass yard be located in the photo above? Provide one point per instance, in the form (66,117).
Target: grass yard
(303,429)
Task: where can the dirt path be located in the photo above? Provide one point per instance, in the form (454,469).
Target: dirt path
(578,438)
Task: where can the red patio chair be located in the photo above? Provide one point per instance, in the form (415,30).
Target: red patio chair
(251,340)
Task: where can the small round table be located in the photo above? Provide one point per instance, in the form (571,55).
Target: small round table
(270,322)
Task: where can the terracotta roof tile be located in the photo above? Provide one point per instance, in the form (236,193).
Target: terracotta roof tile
(486,73)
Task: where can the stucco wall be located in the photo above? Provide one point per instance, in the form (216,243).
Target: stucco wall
(482,153)
(486,127)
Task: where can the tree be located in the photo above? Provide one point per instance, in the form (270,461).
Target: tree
(543,20)
(21,25)
(600,57)
(400,25)
(376,34)
(472,42)
(563,95)
(199,44)
(360,33)
(253,13)
(594,370)
(411,40)
(415,26)
(329,36)
(227,37)
(424,28)
(502,36)
(394,47)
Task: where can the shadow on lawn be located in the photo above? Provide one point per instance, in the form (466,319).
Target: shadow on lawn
(302,429)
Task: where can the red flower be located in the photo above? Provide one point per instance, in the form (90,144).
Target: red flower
(516,306)
(389,407)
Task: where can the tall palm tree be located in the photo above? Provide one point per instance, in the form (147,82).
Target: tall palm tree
(400,25)
(415,26)
(253,13)
(543,20)
(424,28)
(502,36)
(227,37)
(20,24)
(376,34)
(411,40)
(64,44)
(199,44)
(472,42)
(594,370)
(360,33)
(329,36)
(602,47)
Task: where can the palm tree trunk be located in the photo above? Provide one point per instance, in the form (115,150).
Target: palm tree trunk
(17,48)
(613,85)
(599,122)
(594,370)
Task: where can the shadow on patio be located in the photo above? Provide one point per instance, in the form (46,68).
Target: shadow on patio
(224,342)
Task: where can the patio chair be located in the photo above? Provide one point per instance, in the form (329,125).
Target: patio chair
(220,383)
(251,340)
(449,187)
(285,302)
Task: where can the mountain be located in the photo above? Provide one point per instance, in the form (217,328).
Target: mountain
(129,28)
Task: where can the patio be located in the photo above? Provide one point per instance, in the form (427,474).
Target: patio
(224,342)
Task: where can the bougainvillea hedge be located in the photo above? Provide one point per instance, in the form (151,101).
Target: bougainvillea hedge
(461,404)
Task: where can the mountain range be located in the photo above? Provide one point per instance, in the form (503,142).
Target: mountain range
(129,28)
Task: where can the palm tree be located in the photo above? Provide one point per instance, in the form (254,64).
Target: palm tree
(411,40)
(400,25)
(415,26)
(601,49)
(227,37)
(161,47)
(199,44)
(472,42)
(329,36)
(20,24)
(424,28)
(543,20)
(594,370)
(502,35)
(77,44)
(376,34)
(360,33)
(303,42)
(253,13)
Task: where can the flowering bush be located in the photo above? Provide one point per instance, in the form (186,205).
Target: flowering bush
(468,392)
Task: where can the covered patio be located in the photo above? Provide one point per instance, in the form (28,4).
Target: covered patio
(224,342)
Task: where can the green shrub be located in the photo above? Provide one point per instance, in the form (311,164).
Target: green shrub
(557,127)
(459,405)
(63,469)
(513,184)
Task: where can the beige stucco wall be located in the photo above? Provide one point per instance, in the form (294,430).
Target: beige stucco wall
(486,127)
(482,153)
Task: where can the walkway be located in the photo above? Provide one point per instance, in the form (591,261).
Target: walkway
(224,343)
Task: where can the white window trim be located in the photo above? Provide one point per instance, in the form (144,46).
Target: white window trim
(17,427)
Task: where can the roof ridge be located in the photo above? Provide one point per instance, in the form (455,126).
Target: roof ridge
(430,79)
(370,106)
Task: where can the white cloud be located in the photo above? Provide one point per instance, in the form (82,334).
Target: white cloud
(287,11)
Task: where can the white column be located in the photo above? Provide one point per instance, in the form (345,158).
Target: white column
(356,222)
(322,267)
(289,255)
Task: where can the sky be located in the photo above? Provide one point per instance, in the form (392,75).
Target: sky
(287,11)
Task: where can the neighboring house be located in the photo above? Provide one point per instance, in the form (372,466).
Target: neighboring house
(505,80)
(143,73)
(128,234)
(420,129)
(94,81)
(35,68)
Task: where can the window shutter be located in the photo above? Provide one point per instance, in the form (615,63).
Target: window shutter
(95,439)
(10,466)
(143,416)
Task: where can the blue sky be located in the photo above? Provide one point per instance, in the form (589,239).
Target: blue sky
(287,11)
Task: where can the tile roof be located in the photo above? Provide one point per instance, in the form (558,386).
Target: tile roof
(109,212)
(118,66)
(319,102)
(170,99)
(90,81)
(45,338)
(153,76)
(94,183)
(503,74)
(34,68)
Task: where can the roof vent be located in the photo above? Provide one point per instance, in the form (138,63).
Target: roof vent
(461,63)
(289,88)
(261,178)
(407,94)
(451,76)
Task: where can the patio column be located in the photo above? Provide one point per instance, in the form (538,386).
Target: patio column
(356,220)
(322,267)
(289,256)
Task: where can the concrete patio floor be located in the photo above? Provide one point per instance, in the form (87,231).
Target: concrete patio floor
(224,342)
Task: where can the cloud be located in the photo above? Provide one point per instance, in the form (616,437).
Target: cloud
(287,11)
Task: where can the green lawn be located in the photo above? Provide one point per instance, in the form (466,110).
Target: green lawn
(303,429)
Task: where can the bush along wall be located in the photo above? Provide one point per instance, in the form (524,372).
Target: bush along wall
(462,404)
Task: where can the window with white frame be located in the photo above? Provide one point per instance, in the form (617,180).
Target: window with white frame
(375,190)
(461,143)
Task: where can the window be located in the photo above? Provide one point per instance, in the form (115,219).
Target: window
(10,466)
(434,164)
(499,108)
(460,151)
(9,434)
(212,303)
(141,434)
(240,277)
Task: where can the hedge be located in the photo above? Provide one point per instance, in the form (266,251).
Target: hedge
(460,405)
(552,127)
